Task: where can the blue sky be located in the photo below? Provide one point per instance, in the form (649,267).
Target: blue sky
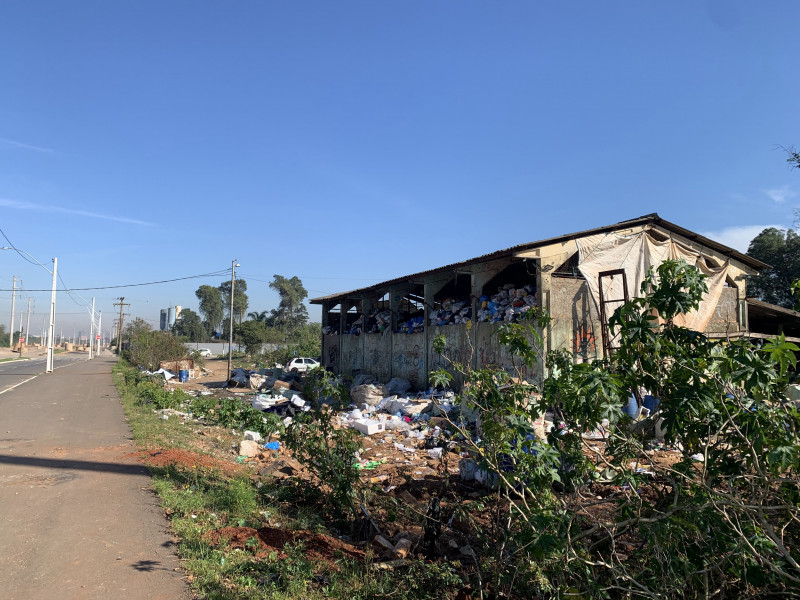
(352,142)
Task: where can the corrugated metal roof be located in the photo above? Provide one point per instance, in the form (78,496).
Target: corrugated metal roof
(652,219)
(765,309)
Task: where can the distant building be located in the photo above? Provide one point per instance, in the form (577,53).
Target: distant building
(168,317)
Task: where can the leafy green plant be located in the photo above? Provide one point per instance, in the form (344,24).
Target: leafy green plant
(228,412)
(149,348)
(722,518)
(326,450)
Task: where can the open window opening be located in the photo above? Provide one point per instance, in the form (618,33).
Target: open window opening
(569,268)
(332,326)
(452,305)
(380,317)
(657,235)
(354,319)
(411,311)
(510,294)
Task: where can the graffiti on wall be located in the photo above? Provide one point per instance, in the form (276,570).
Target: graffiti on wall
(375,359)
(584,344)
(487,357)
(333,356)
(409,363)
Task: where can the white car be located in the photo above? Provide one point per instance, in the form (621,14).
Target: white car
(301,365)
(204,352)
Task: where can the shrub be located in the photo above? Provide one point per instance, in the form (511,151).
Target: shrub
(149,348)
(726,525)
(328,452)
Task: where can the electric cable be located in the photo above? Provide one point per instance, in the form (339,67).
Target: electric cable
(13,247)
(127,285)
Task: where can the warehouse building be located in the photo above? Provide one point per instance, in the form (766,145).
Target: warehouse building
(387,330)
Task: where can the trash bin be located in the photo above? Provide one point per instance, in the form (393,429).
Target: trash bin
(632,407)
(183,375)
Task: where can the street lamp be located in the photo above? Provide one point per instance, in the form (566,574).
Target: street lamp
(51,330)
(234,264)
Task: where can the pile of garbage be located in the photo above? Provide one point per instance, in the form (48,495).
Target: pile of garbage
(453,312)
(331,329)
(263,379)
(165,373)
(414,324)
(508,304)
(379,321)
(356,326)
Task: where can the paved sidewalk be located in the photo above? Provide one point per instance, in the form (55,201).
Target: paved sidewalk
(78,521)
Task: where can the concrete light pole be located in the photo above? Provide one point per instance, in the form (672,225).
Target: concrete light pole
(91,334)
(99,330)
(234,264)
(51,331)
(13,298)
(28,322)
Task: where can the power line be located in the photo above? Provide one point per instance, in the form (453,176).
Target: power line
(13,247)
(127,285)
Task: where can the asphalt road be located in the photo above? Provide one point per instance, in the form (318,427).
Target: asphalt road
(13,373)
(78,519)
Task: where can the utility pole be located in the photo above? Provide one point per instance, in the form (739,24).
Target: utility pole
(122,306)
(51,331)
(13,298)
(99,330)
(230,333)
(91,334)
(28,322)
(21,331)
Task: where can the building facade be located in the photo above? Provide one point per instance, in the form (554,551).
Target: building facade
(387,330)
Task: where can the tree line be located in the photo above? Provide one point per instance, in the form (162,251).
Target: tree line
(285,325)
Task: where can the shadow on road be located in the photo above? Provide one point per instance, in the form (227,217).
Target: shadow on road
(18,374)
(83,465)
(146,565)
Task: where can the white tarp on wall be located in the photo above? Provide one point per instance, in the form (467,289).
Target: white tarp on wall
(636,254)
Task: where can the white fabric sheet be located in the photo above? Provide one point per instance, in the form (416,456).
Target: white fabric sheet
(636,254)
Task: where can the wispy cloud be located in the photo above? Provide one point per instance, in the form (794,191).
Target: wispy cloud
(780,195)
(26,146)
(738,238)
(20,205)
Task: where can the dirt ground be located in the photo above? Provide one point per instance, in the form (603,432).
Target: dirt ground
(266,540)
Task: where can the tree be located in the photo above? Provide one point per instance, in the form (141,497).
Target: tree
(307,340)
(781,250)
(262,316)
(149,348)
(291,312)
(190,326)
(793,157)
(251,334)
(721,518)
(210,306)
(240,299)
(135,329)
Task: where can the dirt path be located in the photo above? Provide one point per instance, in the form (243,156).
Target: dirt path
(78,521)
